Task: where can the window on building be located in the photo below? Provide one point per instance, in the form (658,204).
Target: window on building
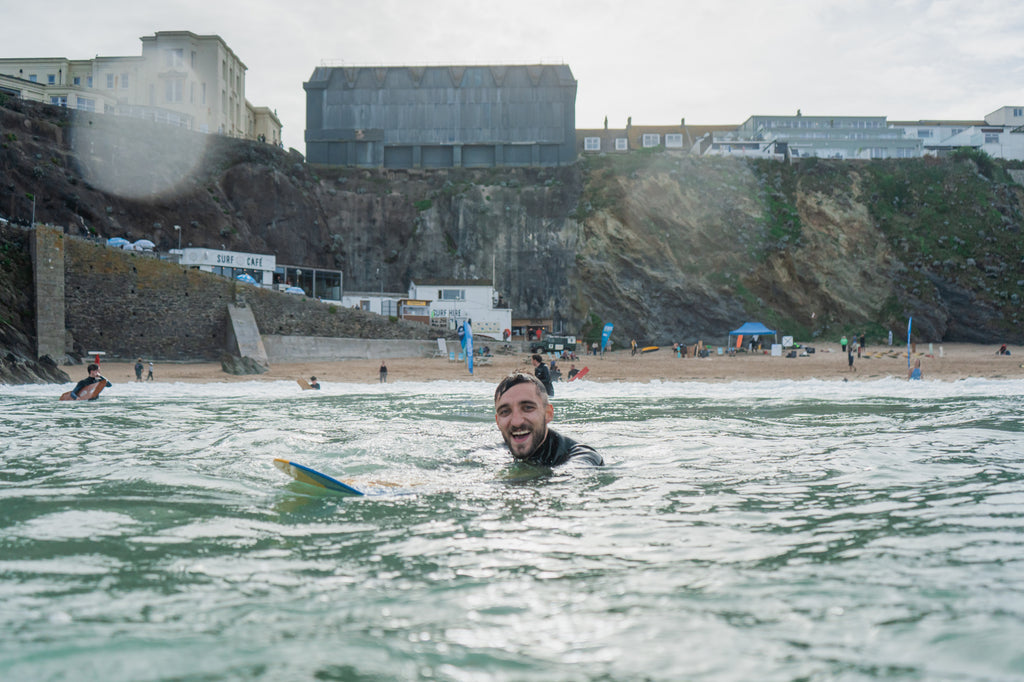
(88,81)
(191,93)
(124,81)
(33,78)
(202,94)
(674,140)
(878,152)
(451,295)
(60,101)
(991,138)
(621,144)
(192,59)
(173,88)
(1018,112)
(591,144)
(110,81)
(174,58)
(923,132)
(955,131)
(86,104)
(51,79)
(77,80)
(651,140)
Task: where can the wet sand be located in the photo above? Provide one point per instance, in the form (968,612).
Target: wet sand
(946,362)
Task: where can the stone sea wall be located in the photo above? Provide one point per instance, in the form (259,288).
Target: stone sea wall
(130,305)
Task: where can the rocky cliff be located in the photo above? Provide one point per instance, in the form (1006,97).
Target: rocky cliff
(666,246)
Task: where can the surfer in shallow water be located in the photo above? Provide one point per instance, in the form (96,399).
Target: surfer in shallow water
(94,377)
(522,412)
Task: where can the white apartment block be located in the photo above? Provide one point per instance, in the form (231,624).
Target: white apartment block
(1000,134)
(192,81)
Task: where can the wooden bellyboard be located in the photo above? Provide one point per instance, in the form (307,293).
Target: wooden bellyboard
(579,375)
(304,474)
(90,392)
(305,384)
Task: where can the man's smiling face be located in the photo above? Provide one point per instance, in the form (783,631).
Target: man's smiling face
(522,414)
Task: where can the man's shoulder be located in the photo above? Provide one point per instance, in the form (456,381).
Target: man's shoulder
(571,450)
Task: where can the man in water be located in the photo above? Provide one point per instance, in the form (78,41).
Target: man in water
(93,378)
(543,374)
(313,383)
(916,372)
(522,413)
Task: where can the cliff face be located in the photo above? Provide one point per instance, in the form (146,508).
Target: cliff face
(666,246)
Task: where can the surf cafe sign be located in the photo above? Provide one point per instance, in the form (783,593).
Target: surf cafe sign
(228,259)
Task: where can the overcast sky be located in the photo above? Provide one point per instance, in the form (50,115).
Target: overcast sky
(656,61)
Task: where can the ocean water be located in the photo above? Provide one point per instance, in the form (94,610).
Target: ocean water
(746,531)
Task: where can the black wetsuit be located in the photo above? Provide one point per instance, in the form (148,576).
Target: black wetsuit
(88,381)
(558,449)
(544,374)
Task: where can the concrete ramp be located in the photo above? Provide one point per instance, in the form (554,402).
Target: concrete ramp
(244,336)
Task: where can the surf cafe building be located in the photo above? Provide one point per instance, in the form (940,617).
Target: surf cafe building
(231,263)
(314,282)
(447,303)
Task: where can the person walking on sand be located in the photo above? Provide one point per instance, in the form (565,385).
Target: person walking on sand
(138,369)
(149,377)
(849,357)
(842,342)
(383,372)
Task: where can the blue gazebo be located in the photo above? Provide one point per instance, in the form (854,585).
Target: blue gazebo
(751,329)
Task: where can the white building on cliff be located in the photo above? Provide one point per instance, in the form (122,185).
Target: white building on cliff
(184,79)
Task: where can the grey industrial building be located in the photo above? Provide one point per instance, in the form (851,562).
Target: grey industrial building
(441,116)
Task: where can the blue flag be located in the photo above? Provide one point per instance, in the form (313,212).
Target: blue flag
(467,341)
(605,335)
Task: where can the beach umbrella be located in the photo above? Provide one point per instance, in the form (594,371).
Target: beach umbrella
(247,278)
(294,290)
(144,244)
(117,242)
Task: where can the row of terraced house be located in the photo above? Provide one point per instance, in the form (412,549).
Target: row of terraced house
(458,116)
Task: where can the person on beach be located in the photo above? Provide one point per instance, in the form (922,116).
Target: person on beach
(1003,350)
(543,374)
(93,378)
(383,372)
(849,357)
(149,377)
(138,369)
(313,383)
(915,373)
(522,413)
(573,371)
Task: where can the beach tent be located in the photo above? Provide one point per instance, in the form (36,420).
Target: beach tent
(751,329)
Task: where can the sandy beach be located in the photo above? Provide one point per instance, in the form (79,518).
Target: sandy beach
(946,362)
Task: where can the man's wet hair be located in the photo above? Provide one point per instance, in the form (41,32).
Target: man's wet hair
(516,378)
(92,367)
